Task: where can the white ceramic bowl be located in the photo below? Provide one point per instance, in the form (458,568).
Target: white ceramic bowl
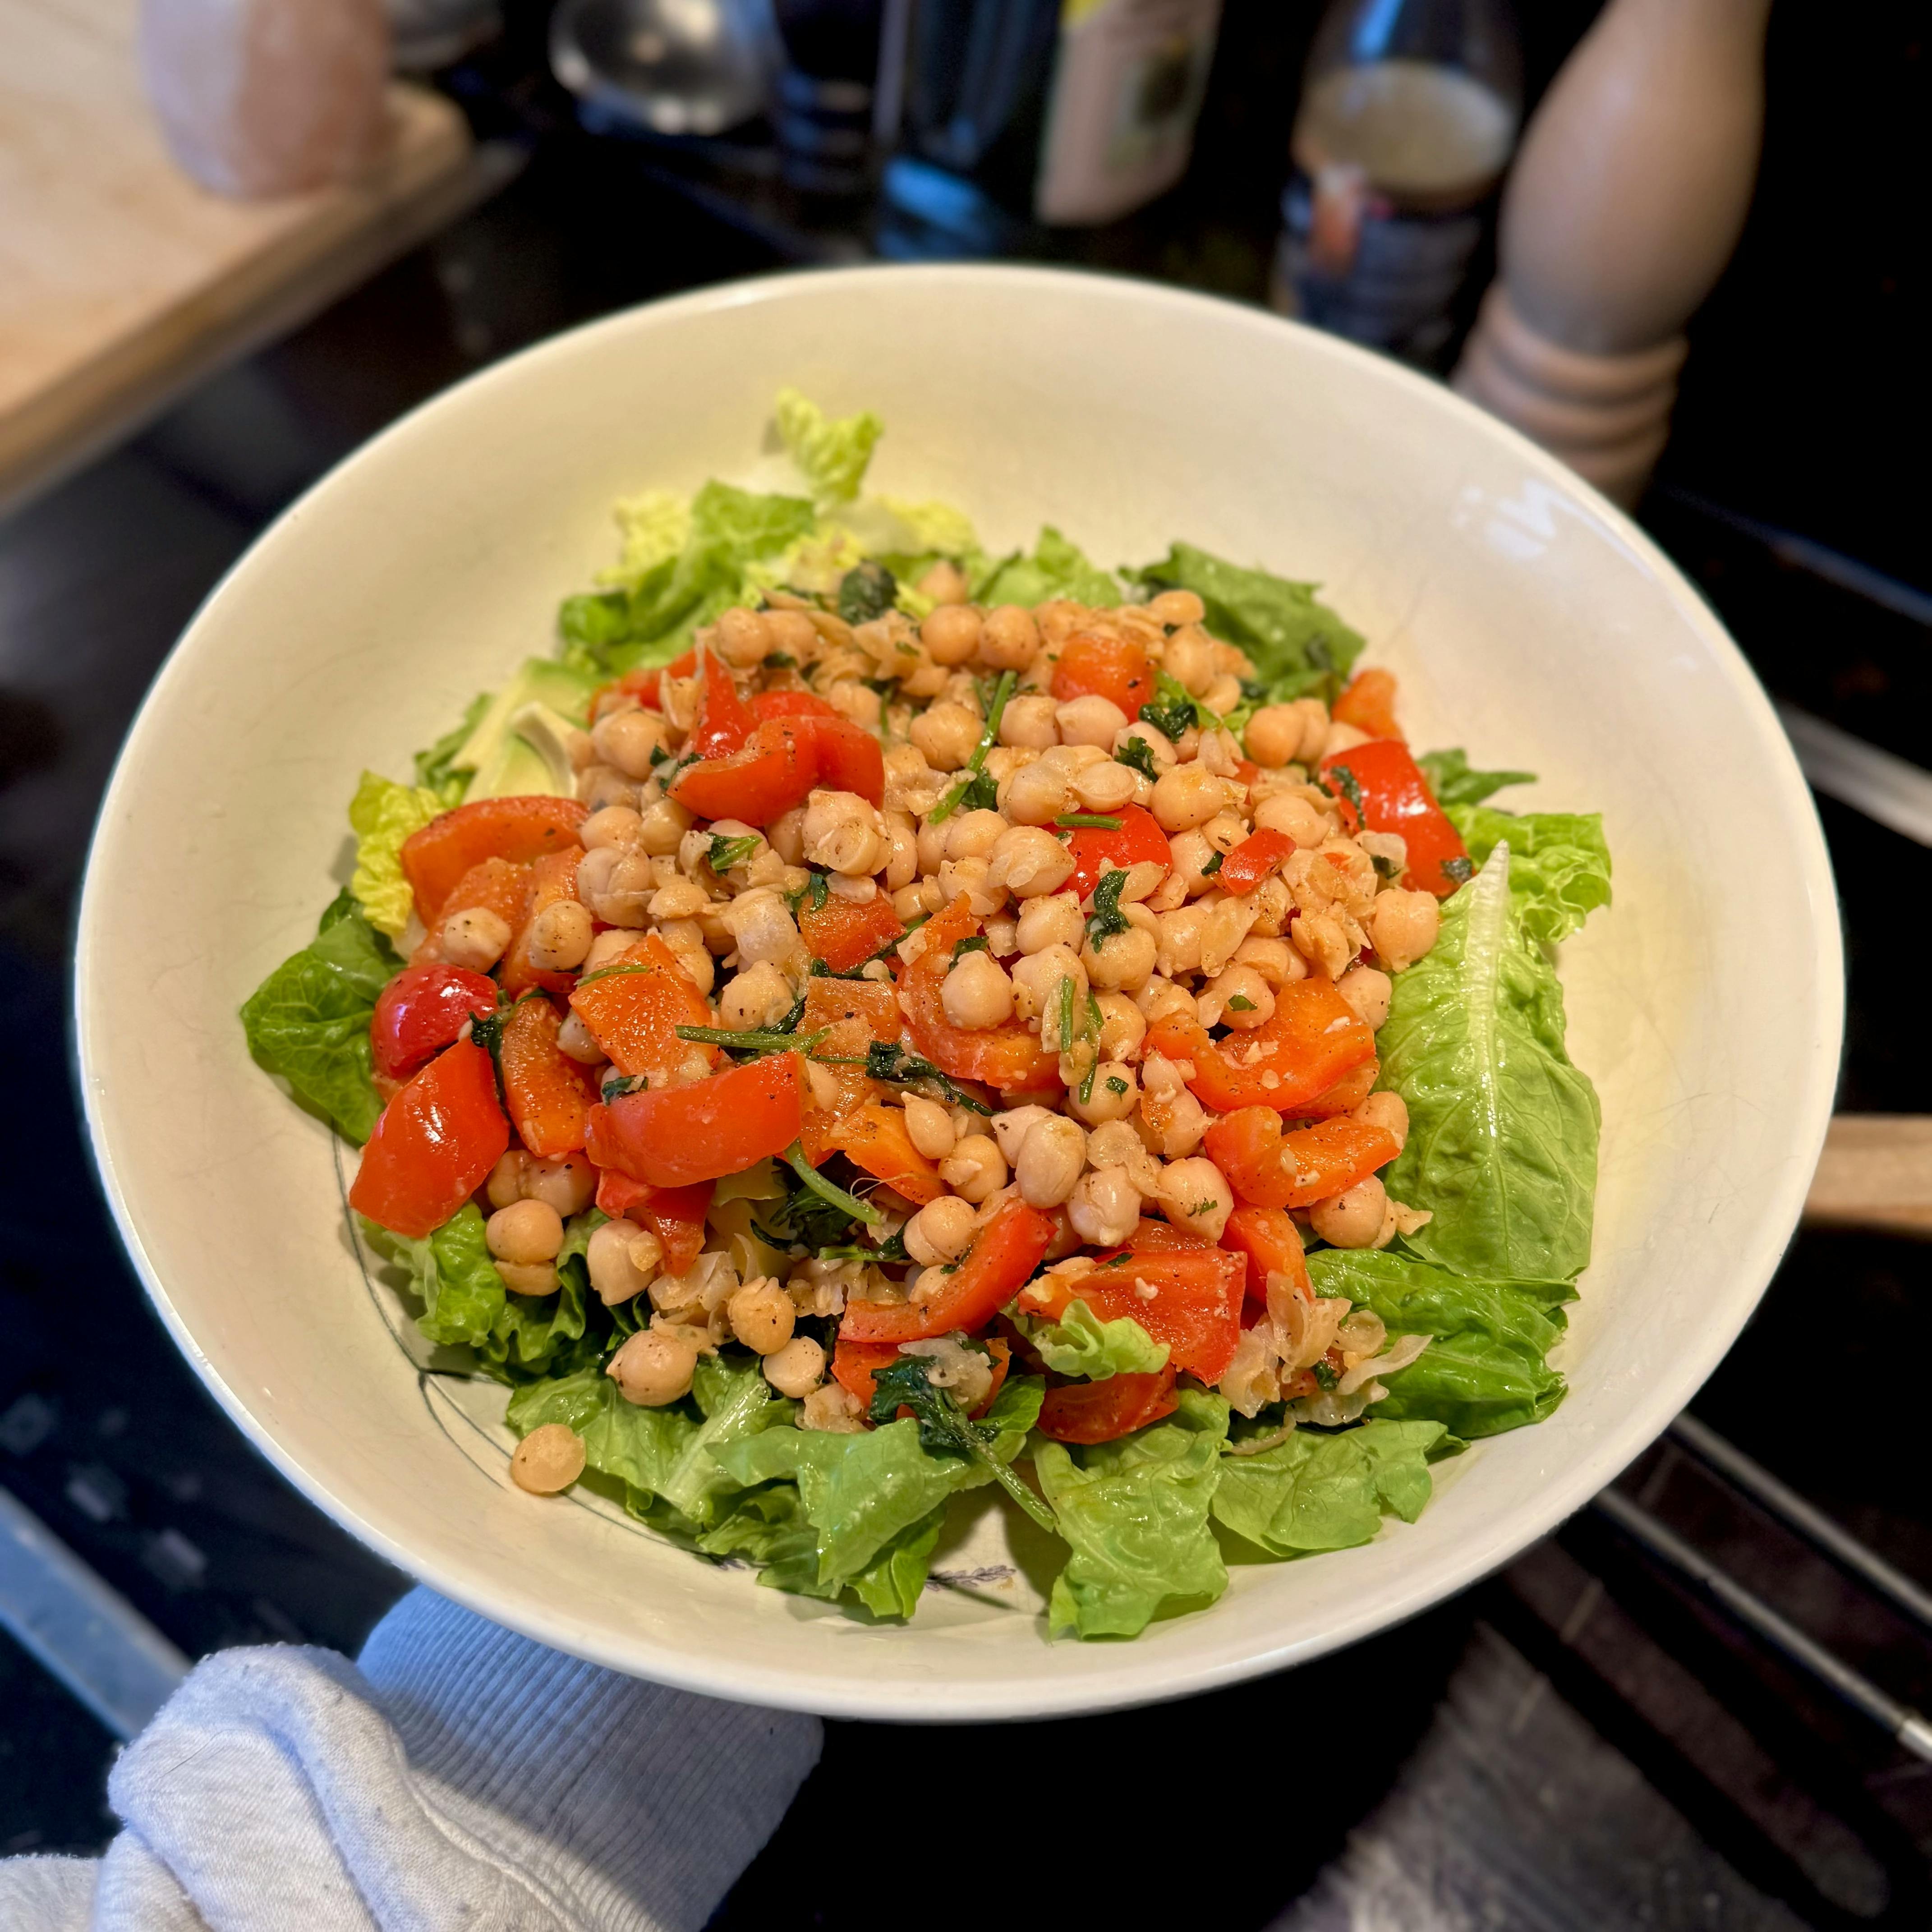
(1528,619)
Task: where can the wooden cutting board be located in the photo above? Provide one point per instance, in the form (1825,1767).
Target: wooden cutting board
(122,282)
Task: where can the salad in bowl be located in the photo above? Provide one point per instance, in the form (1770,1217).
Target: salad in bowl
(871,1020)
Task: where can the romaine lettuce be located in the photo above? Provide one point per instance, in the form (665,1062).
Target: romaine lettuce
(1297,645)
(832,455)
(1559,866)
(308,1020)
(1056,569)
(1453,783)
(1322,1491)
(1135,1512)
(1484,1370)
(1503,1129)
(1081,1344)
(382,814)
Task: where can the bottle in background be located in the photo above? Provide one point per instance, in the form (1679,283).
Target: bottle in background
(1409,111)
(1024,115)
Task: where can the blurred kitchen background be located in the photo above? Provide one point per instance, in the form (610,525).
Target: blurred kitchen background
(194,328)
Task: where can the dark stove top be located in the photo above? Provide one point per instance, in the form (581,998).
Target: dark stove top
(1579,1741)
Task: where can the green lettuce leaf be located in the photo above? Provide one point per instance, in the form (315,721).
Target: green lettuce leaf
(831,455)
(1056,569)
(383,813)
(308,1020)
(1484,1370)
(861,1493)
(665,1455)
(1135,1514)
(1297,645)
(1323,1491)
(1453,783)
(1081,1344)
(466,1305)
(654,525)
(435,769)
(1559,866)
(769,1527)
(1503,1129)
(653,621)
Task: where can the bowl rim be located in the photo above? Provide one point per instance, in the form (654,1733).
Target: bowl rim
(908,1697)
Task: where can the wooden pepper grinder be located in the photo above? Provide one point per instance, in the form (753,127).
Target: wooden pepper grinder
(1625,203)
(265,97)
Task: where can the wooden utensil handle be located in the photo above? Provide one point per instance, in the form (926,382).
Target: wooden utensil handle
(1875,1172)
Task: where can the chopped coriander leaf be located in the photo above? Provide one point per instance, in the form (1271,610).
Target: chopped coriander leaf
(1169,720)
(944,1429)
(866,591)
(1096,821)
(1137,754)
(1108,918)
(1325,1375)
(1240,1002)
(724,852)
(1115,1084)
(1207,871)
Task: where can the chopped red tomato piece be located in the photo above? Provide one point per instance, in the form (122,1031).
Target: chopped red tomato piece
(844,935)
(1312,1039)
(1088,1412)
(646,686)
(991,1272)
(437,1140)
(723,720)
(1272,1242)
(1369,704)
(1095,850)
(789,704)
(1109,668)
(672,1136)
(551,879)
(774,771)
(520,829)
(1395,797)
(1007,1057)
(420,1011)
(1253,860)
(635,1007)
(1268,1169)
(873,1137)
(550,1094)
(1188,1296)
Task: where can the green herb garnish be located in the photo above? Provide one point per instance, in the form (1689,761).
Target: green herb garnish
(866,591)
(1137,754)
(1240,1002)
(725,852)
(979,793)
(756,1041)
(1342,780)
(1325,1375)
(1115,1084)
(887,1060)
(849,1204)
(975,942)
(1107,918)
(944,1429)
(1092,821)
(1213,866)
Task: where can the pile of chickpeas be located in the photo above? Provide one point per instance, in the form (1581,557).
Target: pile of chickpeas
(1132,1146)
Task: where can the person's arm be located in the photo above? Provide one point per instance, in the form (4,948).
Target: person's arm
(461,1778)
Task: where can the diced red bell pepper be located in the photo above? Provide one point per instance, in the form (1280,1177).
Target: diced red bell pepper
(421,1010)
(1268,1169)
(1396,797)
(672,1136)
(437,1140)
(520,829)
(634,1006)
(789,704)
(1007,1057)
(852,1014)
(676,1215)
(1257,855)
(1094,851)
(992,1272)
(874,1137)
(1195,1305)
(1369,704)
(496,887)
(723,720)
(1272,1242)
(776,770)
(844,935)
(846,757)
(550,1094)
(1109,668)
(552,878)
(646,686)
(1312,1038)
(1089,1412)
(1345,1096)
